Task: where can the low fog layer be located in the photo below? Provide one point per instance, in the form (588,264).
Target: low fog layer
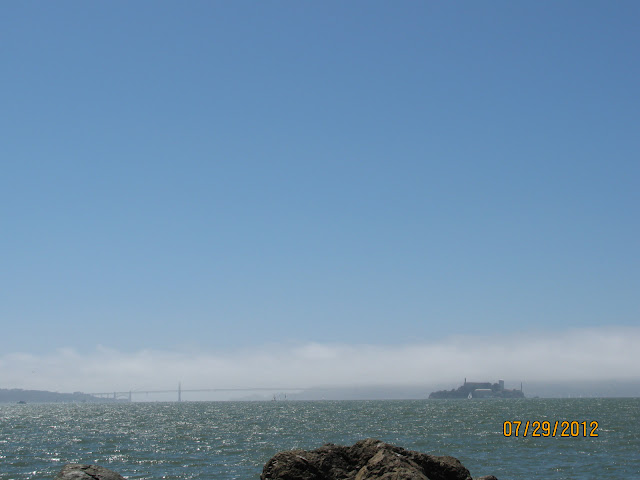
(575,355)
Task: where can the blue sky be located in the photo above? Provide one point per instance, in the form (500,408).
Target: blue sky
(220,176)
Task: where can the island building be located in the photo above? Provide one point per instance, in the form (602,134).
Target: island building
(471,390)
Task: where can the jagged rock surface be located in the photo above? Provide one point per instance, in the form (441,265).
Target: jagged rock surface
(76,471)
(365,460)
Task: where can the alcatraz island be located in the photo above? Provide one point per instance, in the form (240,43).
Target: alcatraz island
(479,390)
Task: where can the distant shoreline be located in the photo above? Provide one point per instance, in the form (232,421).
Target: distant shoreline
(593,389)
(18,395)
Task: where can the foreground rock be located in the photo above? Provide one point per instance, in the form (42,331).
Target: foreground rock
(366,460)
(75,471)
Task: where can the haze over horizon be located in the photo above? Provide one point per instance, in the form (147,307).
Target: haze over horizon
(320,194)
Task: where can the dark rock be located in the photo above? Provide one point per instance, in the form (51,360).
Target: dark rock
(366,460)
(76,471)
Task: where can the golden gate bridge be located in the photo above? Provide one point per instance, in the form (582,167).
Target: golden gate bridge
(128,395)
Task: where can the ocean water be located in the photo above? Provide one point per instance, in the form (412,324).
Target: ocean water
(233,440)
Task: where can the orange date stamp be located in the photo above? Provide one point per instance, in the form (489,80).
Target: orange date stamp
(565,428)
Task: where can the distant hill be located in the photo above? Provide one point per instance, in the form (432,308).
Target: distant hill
(16,395)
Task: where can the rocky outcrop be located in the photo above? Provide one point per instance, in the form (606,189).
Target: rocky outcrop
(76,471)
(366,460)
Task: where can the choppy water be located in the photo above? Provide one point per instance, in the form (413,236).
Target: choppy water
(229,440)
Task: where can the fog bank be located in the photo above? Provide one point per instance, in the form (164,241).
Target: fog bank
(579,355)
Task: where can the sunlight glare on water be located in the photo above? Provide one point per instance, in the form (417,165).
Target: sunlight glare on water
(233,440)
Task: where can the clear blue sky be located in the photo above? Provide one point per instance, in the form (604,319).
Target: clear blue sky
(230,174)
